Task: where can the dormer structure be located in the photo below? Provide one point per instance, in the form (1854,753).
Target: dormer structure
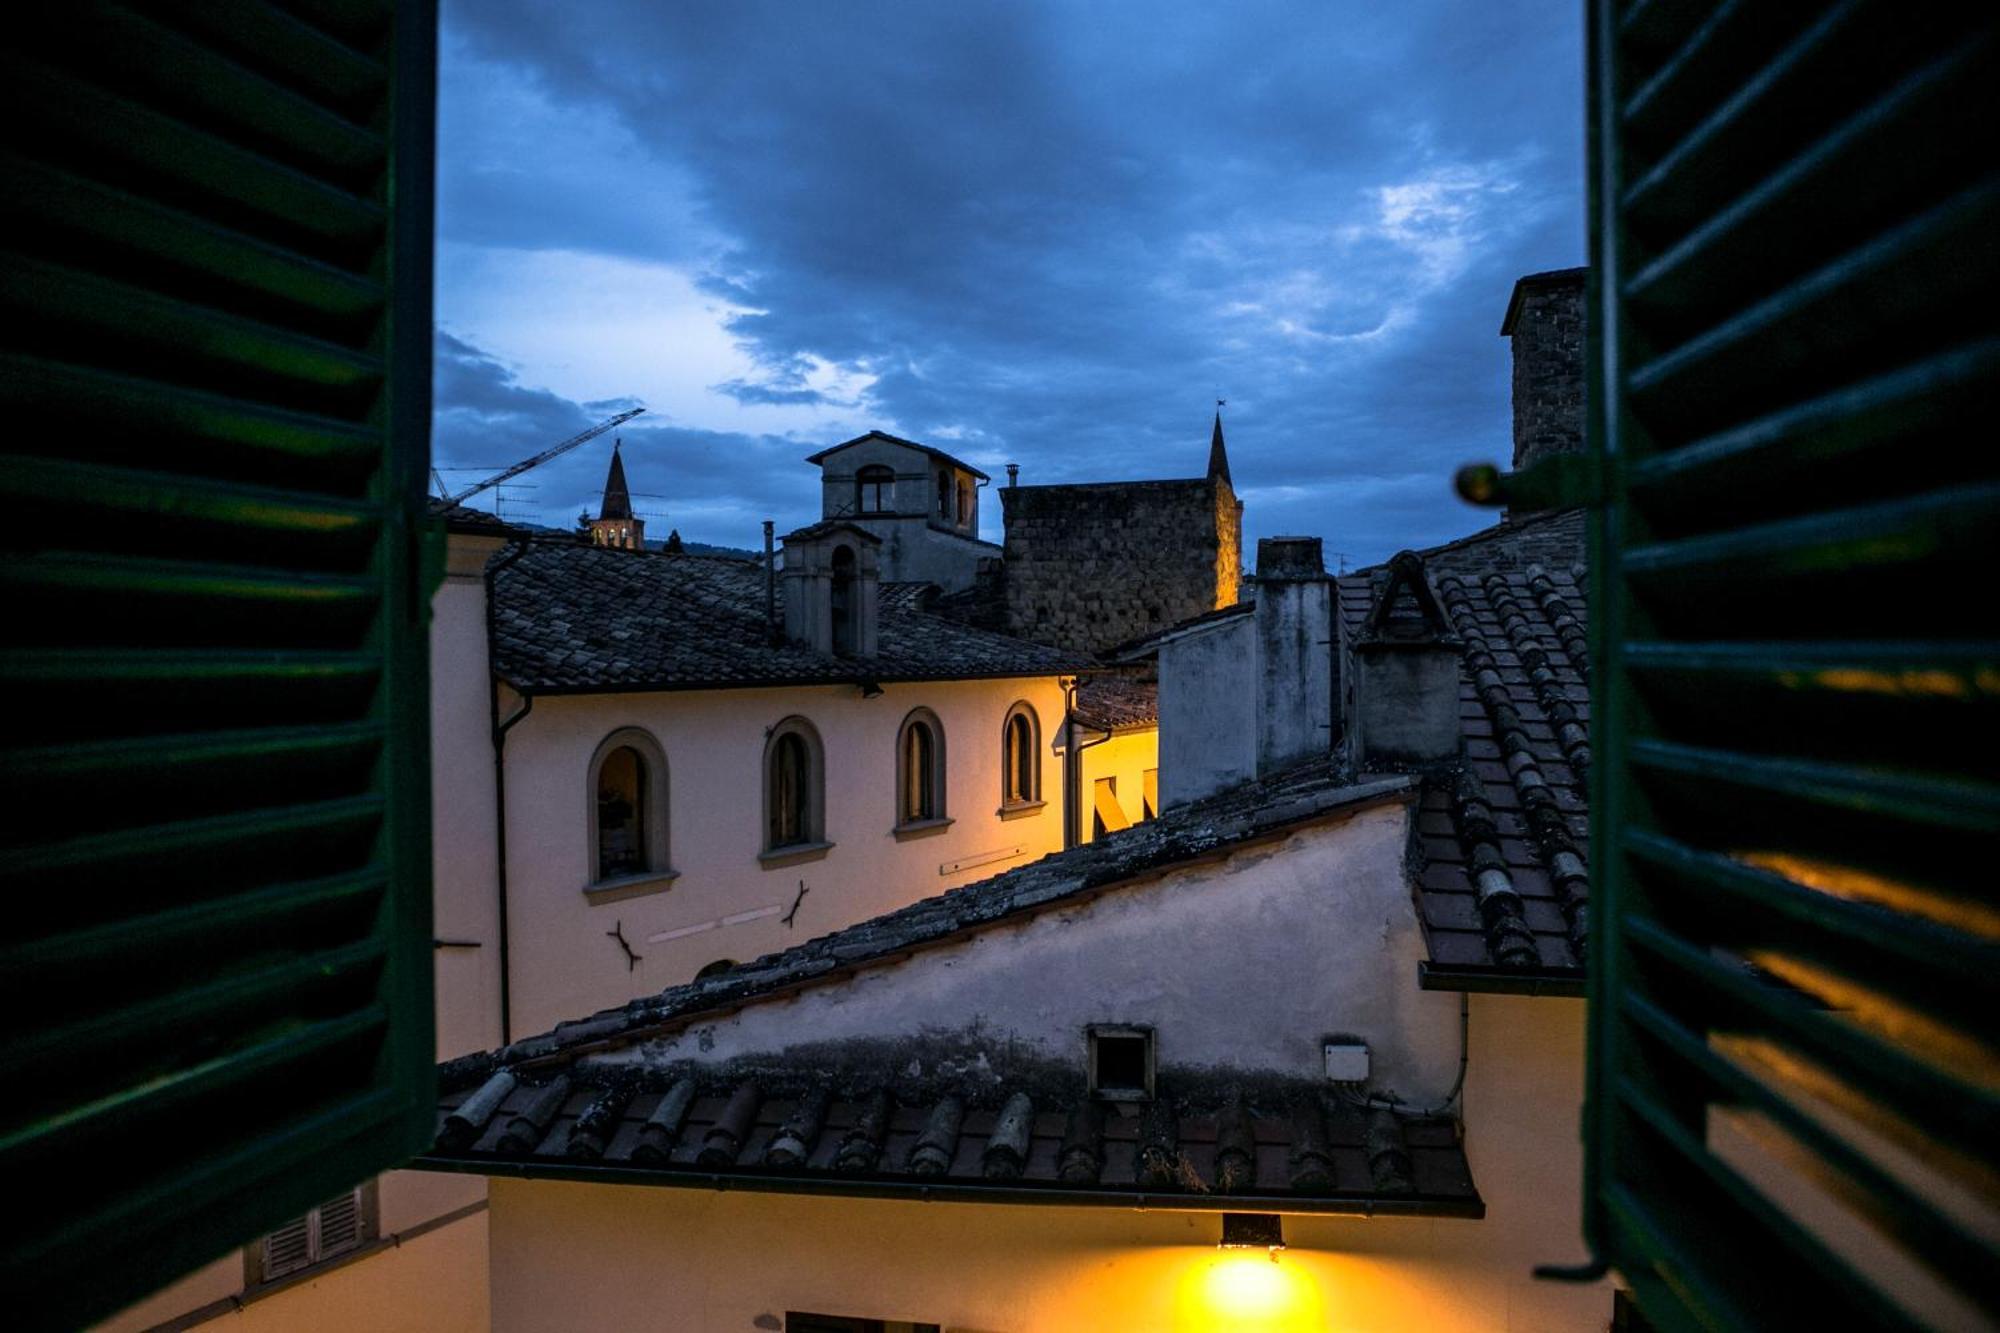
(616,524)
(921,503)
(1404,698)
(831,581)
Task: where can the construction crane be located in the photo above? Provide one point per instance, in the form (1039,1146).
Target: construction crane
(544,456)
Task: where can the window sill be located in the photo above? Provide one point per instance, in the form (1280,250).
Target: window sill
(922,828)
(629,886)
(797,853)
(1020,809)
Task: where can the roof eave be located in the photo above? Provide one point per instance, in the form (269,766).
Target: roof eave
(1492,979)
(786,682)
(935,1191)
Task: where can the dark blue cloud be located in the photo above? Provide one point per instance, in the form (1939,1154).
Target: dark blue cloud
(1051,233)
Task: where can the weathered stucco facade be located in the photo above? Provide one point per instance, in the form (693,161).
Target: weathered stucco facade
(1321,940)
(722,900)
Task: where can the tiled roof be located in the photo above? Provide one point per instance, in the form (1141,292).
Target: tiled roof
(574,618)
(1140,649)
(1285,1145)
(1199,829)
(458,518)
(1503,884)
(1118,703)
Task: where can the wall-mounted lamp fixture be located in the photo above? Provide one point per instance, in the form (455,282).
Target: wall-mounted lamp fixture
(1252,1231)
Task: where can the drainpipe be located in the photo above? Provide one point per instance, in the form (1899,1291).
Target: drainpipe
(499,732)
(1073,767)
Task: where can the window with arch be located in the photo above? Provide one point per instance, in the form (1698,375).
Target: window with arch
(920,769)
(944,497)
(794,787)
(966,502)
(1020,756)
(628,807)
(874,489)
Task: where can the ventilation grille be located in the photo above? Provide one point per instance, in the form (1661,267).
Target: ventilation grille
(1797,971)
(214,364)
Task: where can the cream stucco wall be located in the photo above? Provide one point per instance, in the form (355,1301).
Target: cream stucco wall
(1124,758)
(463,846)
(423,1279)
(563,964)
(605,1256)
(1246,962)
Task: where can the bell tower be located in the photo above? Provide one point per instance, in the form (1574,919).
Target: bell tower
(615,524)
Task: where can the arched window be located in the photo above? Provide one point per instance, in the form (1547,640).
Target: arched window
(843,600)
(966,502)
(628,807)
(920,769)
(1020,758)
(944,497)
(715,969)
(874,490)
(794,787)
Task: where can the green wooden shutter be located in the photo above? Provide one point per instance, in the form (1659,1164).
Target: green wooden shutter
(215,371)
(1795,981)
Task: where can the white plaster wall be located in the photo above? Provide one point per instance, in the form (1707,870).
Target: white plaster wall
(463,847)
(606,1256)
(1208,711)
(563,964)
(1246,962)
(1126,757)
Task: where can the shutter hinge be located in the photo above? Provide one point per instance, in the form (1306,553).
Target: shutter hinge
(1560,481)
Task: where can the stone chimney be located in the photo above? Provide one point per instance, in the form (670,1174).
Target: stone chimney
(831,585)
(1403,704)
(1544,320)
(1294,652)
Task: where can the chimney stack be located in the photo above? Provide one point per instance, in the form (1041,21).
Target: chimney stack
(1545,321)
(1406,664)
(771,585)
(1295,637)
(1013,474)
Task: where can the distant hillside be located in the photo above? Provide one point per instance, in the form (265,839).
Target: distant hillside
(703,548)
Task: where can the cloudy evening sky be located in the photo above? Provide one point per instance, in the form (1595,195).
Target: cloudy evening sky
(1036,232)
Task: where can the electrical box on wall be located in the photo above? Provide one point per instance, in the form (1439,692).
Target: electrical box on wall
(1347,1061)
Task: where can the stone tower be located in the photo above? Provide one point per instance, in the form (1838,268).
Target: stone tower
(1545,323)
(1096,565)
(615,524)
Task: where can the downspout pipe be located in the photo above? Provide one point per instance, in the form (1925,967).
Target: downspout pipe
(499,730)
(1073,766)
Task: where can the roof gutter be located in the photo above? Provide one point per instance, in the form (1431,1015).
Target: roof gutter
(1483,979)
(1336,1205)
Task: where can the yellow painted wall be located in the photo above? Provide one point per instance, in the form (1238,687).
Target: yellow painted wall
(433,1283)
(1126,757)
(605,1256)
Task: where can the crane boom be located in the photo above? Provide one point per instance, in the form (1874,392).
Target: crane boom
(554,450)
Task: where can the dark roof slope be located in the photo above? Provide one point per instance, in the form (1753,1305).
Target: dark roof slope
(572,618)
(938,454)
(1256,810)
(1118,703)
(1503,883)
(1286,1146)
(459,518)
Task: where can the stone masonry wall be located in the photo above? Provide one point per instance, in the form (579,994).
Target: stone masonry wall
(1095,566)
(1547,330)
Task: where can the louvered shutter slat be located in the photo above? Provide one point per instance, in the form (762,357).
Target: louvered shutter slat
(1794,1082)
(215,365)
